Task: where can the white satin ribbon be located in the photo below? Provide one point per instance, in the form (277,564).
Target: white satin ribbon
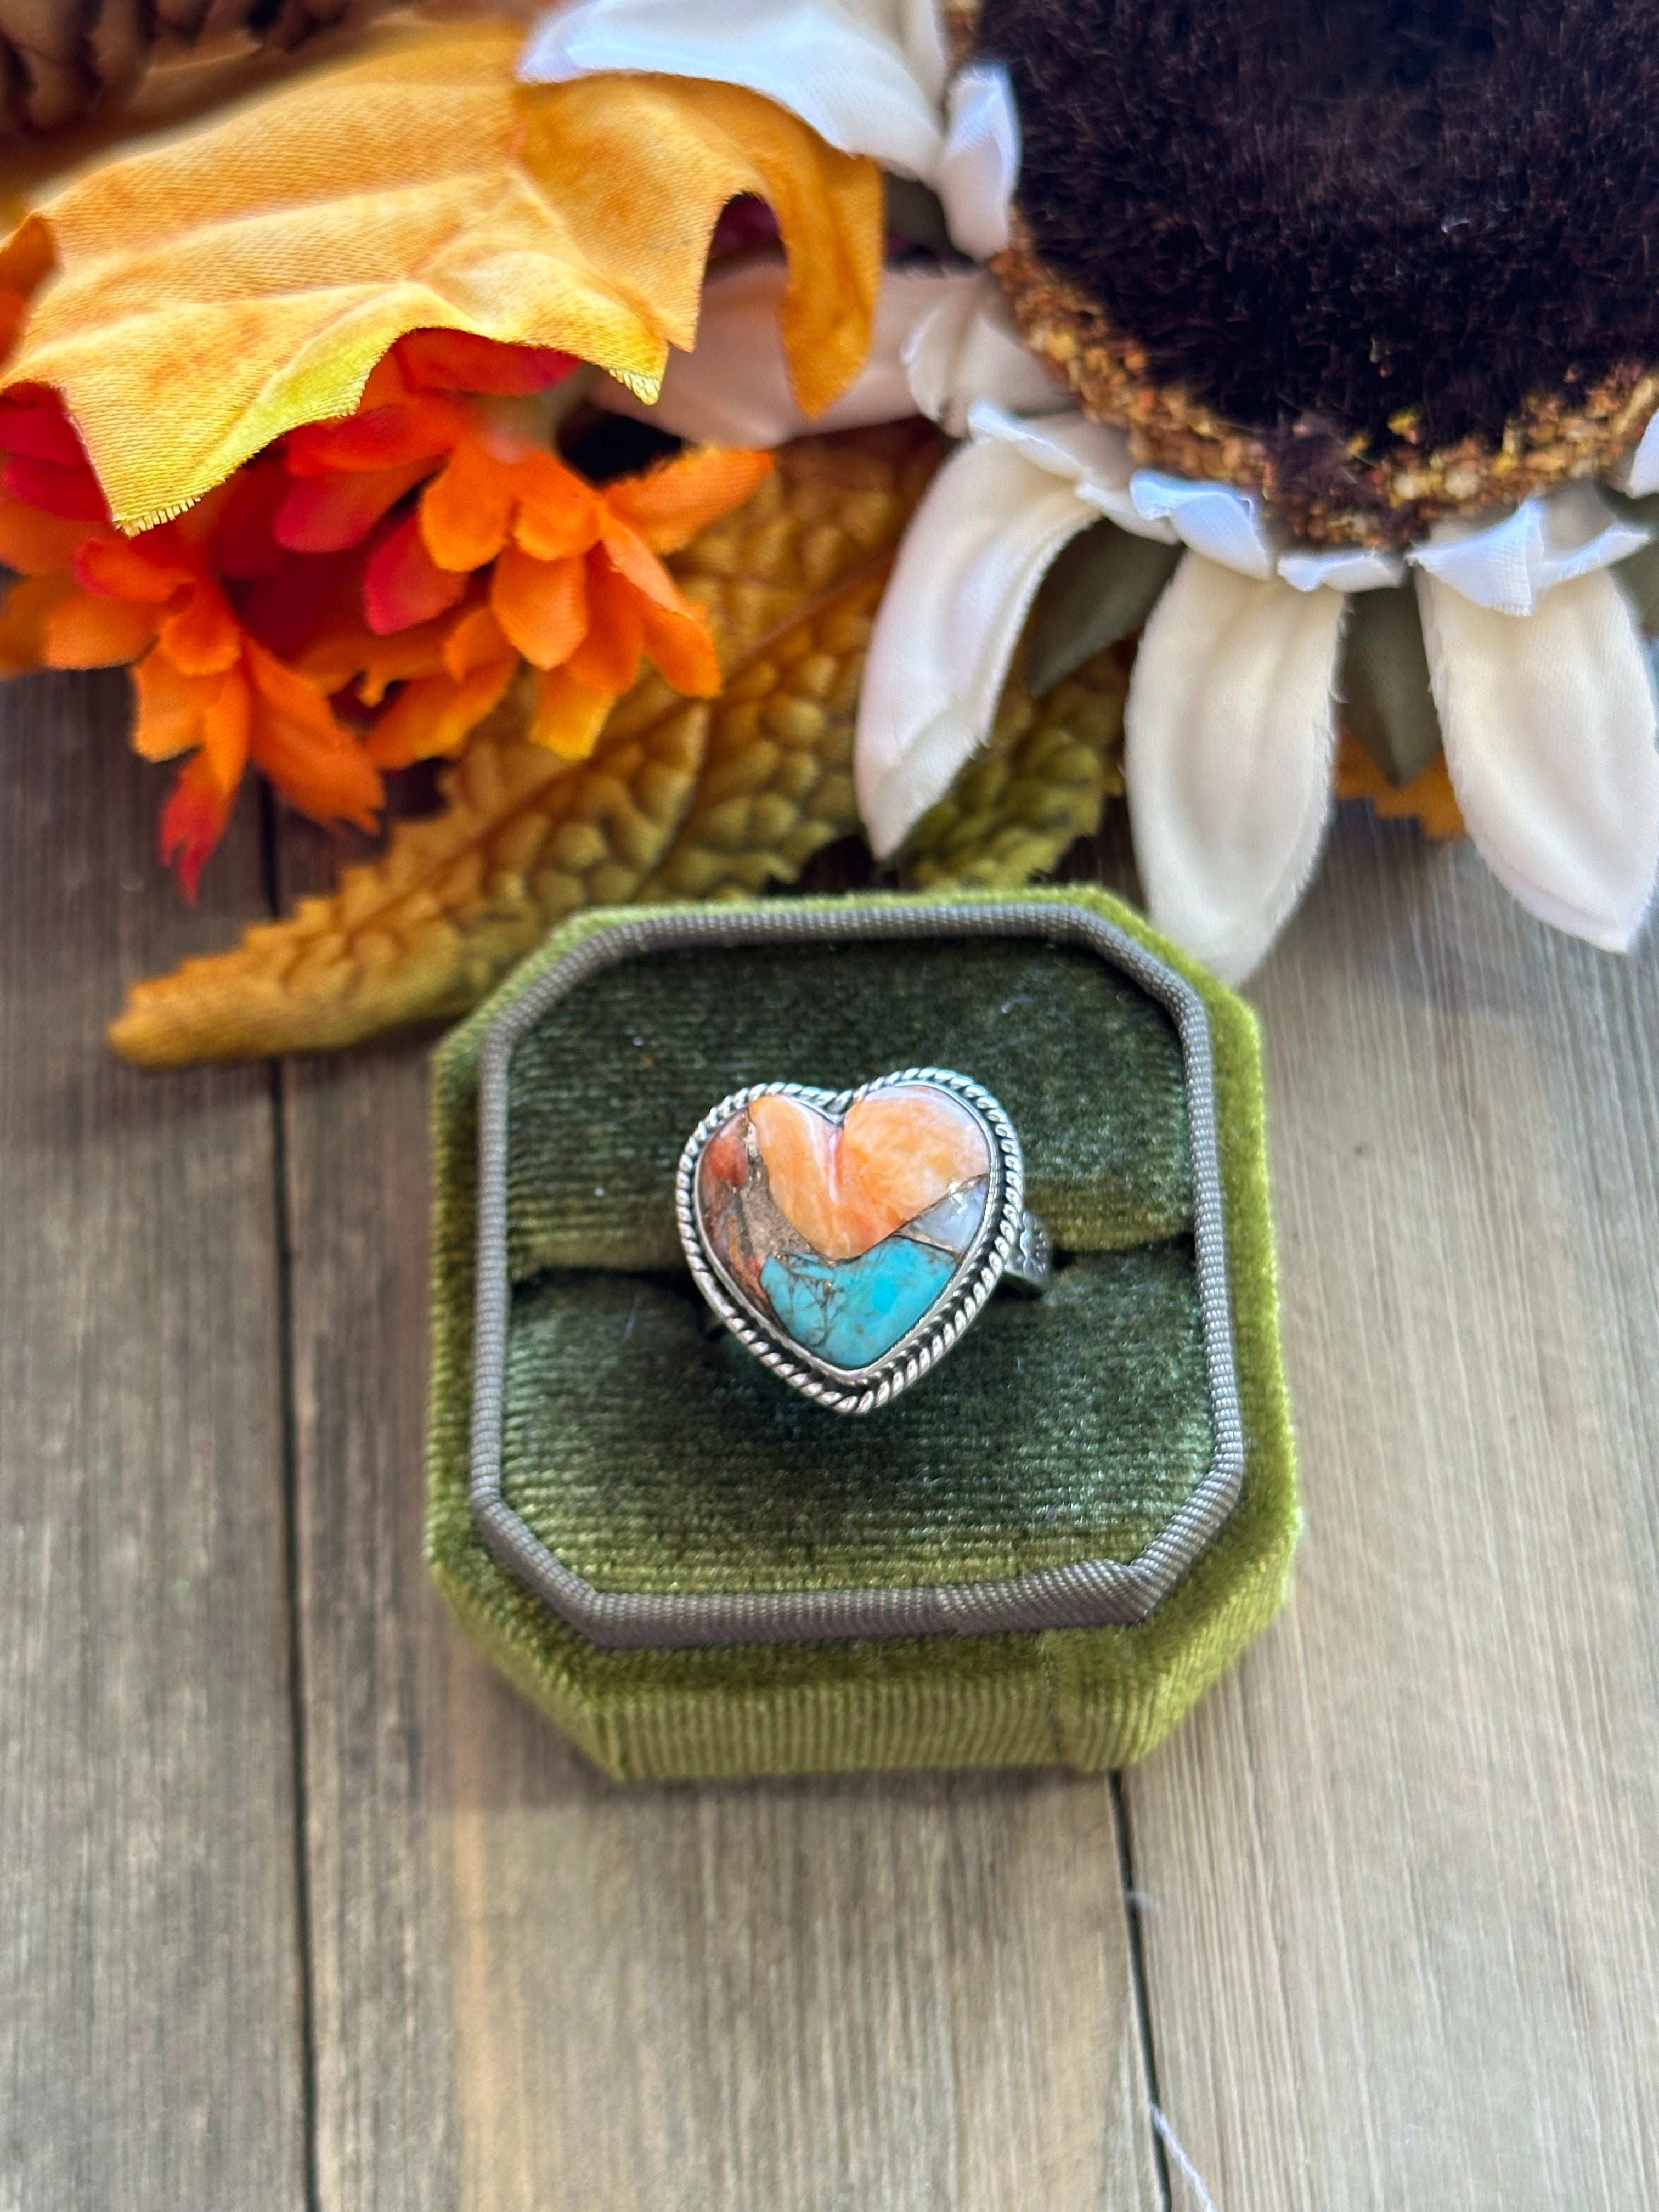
(1509,565)
(980,164)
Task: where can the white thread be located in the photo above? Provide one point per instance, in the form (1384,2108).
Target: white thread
(1189,2172)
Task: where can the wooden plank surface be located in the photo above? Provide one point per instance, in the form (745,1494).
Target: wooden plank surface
(538,1989)
(1398,1882)
(1403,1870)
(150,2014)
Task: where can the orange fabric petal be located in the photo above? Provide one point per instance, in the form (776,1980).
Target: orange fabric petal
(146,570)
(542,605)
(474,640)
(350,653)
(558,512)
(85,630)
(178,712)
(295,740)
(628,553)
(24,618)
(404,584)
(227,727)
(466,511)
(568,715)
(678,640)
(32,542)
(192,823)
(608,658)
(668,505)
(438,714)
(203,638)
(327,514)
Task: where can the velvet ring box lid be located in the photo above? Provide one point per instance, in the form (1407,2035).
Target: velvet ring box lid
(1045,1551)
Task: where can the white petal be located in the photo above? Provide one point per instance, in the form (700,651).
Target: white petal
(1229,737)
(979,166)
(1641,471)
(919,28)
(977,550)
(963,347)
(733,390)
(1094,456)
(1217,520)
(1548,722)
(1347,569)
(867,76)
(1509,565)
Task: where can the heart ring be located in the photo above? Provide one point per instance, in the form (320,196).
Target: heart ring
(848,1239)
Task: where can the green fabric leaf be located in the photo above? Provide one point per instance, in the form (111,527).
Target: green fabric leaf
(1384,683)
(1102,588)
(916,214)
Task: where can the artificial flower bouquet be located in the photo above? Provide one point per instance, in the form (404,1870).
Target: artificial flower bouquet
(716,430)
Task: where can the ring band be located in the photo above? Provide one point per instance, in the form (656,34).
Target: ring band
(849,1238)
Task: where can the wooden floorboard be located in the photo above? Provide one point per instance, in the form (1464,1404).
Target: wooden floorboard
(1398,1890)
(1402,1928)
(150,2005)
(538,1989)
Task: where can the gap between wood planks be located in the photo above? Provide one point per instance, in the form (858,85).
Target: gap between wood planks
(271,866)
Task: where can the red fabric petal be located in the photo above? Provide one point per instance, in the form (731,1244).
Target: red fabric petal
(72,492)
(456,360)
(192,823)
(404,584)
(328,514)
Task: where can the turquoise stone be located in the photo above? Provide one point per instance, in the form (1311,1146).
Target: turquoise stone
(849,1312)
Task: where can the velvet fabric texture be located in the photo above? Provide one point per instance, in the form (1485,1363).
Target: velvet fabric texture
(1328,212)
(650,1453)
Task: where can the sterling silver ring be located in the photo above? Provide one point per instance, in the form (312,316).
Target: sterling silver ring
(848,1239)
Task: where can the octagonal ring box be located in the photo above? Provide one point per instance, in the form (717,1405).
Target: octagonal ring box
(1043,1552)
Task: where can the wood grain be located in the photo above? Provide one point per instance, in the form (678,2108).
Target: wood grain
(1400,1892)
(1403,1945)
(151,2019)
(538,1989)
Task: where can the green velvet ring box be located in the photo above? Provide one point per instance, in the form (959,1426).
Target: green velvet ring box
(1043,1552)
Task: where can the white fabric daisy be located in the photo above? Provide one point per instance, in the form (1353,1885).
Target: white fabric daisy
(1537,666)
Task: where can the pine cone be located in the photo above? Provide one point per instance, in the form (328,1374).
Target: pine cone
(61,59)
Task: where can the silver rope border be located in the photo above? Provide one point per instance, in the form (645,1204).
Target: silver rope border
(976,1276)
(1088,1593)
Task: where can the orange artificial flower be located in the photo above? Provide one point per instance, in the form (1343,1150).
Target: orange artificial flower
(396,569)
(91,598)
(575,585)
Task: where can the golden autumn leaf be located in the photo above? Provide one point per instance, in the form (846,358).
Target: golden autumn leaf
(1038,785)
(777,779)
(221,289)
(426,930)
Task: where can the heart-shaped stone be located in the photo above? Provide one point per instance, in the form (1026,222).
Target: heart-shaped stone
(841,1230)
